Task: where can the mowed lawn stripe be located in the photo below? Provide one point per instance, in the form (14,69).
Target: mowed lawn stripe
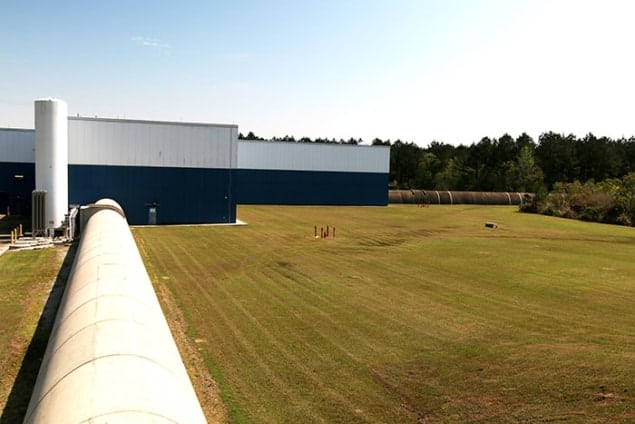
(245,334)
(217,318)
(334,364)
(277,339)
(520,286)
(409,314)
(356,318)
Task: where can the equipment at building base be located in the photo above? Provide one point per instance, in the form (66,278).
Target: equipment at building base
(39,226)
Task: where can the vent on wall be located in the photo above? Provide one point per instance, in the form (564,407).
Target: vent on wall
(38,214)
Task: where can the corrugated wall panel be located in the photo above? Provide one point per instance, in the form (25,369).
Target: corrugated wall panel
(17,169)
(16,192)
(270,187)
(313,157)
(17,145)
(184,195)
(146,143)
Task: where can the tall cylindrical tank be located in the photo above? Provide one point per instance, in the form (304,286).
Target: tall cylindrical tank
(51,157)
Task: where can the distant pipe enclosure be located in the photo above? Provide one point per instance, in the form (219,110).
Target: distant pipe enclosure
(446,197)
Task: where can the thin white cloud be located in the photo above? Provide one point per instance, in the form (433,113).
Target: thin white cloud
(150,42)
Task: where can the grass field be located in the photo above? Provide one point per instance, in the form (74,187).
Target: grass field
(26,279)
(408,315)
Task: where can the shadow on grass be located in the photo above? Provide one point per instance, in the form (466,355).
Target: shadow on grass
(18,400)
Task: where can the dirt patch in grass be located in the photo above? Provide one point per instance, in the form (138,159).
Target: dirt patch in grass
(407,402)
(206,388)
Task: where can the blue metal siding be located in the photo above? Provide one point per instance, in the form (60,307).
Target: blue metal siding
(184,195)
(13,192)
(266,187)
(191,195)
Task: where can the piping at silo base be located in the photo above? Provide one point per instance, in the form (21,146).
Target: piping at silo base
(111,357)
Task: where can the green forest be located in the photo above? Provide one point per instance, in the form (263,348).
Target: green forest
(590,178)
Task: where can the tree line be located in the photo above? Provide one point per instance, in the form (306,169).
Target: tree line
(291,139)
(508,164)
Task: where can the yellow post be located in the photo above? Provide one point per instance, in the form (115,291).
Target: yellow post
(12,237)
(20,231)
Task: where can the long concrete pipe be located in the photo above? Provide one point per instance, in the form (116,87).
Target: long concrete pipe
(111,357)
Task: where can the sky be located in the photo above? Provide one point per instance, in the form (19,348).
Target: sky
(451,71)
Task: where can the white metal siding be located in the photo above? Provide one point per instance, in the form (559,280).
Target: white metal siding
(312,157)
(17,145)
(145,143)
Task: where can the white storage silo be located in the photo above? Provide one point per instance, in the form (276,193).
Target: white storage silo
(51,157)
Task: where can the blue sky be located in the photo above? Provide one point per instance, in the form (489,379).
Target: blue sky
(421,70)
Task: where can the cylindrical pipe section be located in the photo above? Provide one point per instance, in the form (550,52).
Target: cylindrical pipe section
(444,197)
(111,356)
(51,157)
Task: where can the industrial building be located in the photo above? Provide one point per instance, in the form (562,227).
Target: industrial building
(175,172)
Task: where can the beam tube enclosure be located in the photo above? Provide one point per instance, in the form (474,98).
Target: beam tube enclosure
(51,157)
(111,356)
(445,197)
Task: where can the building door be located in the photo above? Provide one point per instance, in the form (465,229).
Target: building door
(152,215)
